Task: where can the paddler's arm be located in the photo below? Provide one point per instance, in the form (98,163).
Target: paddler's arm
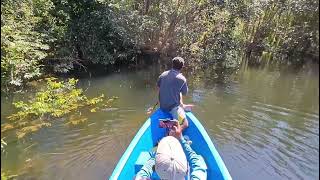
(197,164)
(147,169)
(186,107)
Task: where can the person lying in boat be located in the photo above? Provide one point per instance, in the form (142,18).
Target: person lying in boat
(171,86)
(170,160)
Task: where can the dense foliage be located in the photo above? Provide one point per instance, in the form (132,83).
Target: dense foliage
(227,32)
(61,35)
(22,46)
(58,99)
(284,31)
(93,35)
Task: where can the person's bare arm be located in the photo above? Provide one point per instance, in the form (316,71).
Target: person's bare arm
(197,164)
(186,107)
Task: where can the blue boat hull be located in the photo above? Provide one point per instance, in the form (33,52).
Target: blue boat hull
(150,133)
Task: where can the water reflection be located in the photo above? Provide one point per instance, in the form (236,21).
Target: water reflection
(264,124)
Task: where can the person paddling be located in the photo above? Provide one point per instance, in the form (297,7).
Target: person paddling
(171,86)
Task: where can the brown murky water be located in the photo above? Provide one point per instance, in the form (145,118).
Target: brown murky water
(265,125)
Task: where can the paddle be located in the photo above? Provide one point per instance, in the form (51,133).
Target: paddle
(151,109)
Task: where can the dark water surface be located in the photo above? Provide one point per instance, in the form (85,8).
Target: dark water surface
(264,124)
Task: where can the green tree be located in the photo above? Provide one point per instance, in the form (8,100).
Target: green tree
(22,46)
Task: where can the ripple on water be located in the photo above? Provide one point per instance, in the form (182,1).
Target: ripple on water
(265,126)
(264,132)
(85,153)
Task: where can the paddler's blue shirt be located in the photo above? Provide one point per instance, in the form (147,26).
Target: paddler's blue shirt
(198,167)
(171,83)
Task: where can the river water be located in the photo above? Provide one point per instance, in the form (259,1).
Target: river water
(264,124)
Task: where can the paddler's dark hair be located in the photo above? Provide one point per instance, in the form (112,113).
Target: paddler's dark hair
(177,63)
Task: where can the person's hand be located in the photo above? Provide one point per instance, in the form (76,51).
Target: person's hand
(187,107)
(150,109)
(177,131)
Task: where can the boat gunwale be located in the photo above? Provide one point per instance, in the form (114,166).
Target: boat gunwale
(224,171)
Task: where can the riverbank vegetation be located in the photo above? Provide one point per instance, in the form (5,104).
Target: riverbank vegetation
(58,100)
(53,36)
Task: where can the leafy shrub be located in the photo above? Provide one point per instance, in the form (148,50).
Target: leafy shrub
(58,99)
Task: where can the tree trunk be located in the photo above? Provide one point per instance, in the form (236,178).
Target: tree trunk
(146,6)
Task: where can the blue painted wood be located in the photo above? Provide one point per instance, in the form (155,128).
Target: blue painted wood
(150,133)
(142,159)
